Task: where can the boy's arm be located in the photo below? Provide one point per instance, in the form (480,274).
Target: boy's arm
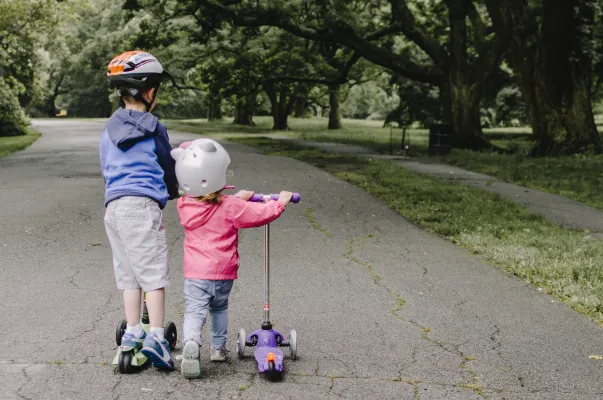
(247,214)
(166,161)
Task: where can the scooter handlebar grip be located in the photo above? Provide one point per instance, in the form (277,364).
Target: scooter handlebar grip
(260,197)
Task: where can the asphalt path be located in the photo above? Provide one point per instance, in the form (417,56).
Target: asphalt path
(382,309)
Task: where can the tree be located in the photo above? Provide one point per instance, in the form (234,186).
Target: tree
(460,74)
(553,67)
(20,22)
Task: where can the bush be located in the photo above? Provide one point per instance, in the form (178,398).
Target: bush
(13,120)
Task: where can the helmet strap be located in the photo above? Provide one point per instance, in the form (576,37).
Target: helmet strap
(148,104)
(138,96)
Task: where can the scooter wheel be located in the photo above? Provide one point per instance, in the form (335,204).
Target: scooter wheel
(125,362)
(273,375)
(119,332)
(241,339)
(293,344)
(171,334)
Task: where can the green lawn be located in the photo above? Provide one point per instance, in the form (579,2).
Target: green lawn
(563,262)
(11,144)
(577,177)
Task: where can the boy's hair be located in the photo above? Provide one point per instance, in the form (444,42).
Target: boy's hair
(126,97)
(215,197)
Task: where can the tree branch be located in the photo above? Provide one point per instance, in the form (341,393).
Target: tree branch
(336,31)
(173,80)
(429,45)
(388,30)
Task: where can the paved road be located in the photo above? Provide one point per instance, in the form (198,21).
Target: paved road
(382,309)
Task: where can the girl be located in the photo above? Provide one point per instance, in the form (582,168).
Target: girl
(211,222)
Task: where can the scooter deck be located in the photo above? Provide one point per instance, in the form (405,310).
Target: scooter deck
(138,360)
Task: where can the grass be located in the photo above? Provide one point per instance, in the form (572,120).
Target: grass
(369,134)
(577,177)
(564,263)
(11,144)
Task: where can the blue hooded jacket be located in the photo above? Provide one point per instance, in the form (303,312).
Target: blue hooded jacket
(135,158)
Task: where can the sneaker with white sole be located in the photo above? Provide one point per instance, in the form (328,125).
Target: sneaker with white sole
(218,354)
(158,351)
(130,342)
(190,367)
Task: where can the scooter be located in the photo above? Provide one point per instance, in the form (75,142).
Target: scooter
(129,359)
(266,340)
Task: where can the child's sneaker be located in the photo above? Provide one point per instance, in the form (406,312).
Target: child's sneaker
(218,354)
(158,351)
(190,366)
(130,341)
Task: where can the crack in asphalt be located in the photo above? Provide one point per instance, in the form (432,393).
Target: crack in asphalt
(114,388)
(473,385)
(100,317)
(27,380)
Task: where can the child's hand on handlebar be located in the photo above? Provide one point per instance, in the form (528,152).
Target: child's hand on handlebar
(244,194)
(285,197)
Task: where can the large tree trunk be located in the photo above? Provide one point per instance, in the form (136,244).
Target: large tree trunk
(464,90)
(244,110)
(334,111)
(214,111)
(51,108)
(553,71)
(281,107)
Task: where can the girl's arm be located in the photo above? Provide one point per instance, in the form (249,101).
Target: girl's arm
(252,215)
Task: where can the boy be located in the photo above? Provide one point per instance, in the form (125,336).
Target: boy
(139,180)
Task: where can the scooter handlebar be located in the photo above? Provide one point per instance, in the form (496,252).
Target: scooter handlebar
(260,197)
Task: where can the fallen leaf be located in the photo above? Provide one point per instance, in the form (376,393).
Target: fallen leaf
(595,357)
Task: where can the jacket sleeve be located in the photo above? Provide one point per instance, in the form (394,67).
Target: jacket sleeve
(246,214)
(166,161)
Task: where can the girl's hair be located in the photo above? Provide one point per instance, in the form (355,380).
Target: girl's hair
(215,197)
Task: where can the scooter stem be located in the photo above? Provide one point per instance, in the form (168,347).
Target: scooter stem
(267,325)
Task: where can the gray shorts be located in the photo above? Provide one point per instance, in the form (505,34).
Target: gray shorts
(135,230)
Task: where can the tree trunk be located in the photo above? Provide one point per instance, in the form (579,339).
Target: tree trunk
(300,108)
(334,111)
(553,71)
(464,112)
(51,108)
(281,107)
(463,89)
(244,110)
(214,111)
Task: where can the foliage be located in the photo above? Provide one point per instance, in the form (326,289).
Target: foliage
(21,23)
(12,117)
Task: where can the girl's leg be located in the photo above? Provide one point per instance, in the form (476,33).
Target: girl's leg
(219,314)
(197,297)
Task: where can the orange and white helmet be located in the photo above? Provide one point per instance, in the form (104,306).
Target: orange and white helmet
(133,71)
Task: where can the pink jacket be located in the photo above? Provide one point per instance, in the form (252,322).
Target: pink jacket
(211,233)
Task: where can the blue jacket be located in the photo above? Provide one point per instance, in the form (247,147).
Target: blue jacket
(135,158)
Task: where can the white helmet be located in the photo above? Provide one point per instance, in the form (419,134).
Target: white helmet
(201,167)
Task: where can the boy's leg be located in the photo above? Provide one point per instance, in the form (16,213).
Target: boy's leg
(132,306)
(124,275)
(143,235)
(156,307)
(219,318)
(197,297)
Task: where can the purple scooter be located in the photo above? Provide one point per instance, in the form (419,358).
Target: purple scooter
(267,340)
